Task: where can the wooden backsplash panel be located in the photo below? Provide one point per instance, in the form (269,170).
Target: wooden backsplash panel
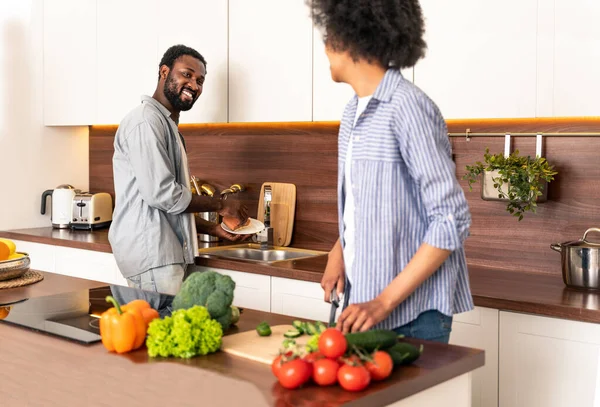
(306,155)
(298,153)
(497,239)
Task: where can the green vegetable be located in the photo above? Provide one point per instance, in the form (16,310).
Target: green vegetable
(403,353)
(292,333)
(211,290)
(263,329)
(311,329)
(313,343)
(320,326)
(371,340)
(185,334)
(299,325)
(235,314)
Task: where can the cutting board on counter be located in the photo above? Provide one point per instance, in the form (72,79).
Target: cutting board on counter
(262,349)
(283,208)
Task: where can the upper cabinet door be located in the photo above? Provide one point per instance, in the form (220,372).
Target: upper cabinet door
(329,98)
(127,56)
(481,57)
(576,57)
(69,62)
(203,26)
(270,61)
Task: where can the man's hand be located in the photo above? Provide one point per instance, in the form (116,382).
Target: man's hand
(362,317)
(334,275)
(219,232)
(234,208)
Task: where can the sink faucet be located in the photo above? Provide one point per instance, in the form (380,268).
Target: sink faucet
(265,236)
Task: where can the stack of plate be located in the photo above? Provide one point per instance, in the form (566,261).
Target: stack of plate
(14,268)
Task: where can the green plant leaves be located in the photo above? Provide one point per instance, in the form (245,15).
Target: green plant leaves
(524,176)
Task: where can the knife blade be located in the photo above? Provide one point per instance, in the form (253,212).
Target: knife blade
(335,303)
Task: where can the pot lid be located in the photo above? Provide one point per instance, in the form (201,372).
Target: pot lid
(584,241)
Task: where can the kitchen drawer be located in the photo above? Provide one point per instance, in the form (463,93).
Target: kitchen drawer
(301,299)
(41,255)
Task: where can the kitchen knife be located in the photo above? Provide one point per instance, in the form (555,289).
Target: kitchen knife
(335,303)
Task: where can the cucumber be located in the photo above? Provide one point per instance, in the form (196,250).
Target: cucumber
(403,353)
(299,325)
(311,329)
(371,340)
(292,333)
(320,326)
(263,329)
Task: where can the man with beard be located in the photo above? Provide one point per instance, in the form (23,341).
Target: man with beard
(154,232)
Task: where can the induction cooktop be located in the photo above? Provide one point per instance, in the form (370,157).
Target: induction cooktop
(74,315)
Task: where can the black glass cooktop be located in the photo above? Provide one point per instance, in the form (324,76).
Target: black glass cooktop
(74,316)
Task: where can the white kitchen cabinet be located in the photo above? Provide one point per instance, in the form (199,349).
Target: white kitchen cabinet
(41,255)
(87,264)
(329,98)
(548,362)
(576,57)
(127,44)
(301,299)
(270,61)
(479,329)
(481,57)
(70,63)
(209,38)
(251,290)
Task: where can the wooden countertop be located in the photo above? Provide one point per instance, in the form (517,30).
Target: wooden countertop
(535,293)
(48,370)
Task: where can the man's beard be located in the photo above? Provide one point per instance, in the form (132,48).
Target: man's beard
(174,97)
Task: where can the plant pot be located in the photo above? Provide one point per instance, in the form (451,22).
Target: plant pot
(489,193)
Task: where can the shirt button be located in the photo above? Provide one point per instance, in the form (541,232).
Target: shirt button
(356,138)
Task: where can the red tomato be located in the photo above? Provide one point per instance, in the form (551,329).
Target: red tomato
(325,371)
(332,343)
(353,378)
(381,366)
(313,357)
(276,364)
(294,373)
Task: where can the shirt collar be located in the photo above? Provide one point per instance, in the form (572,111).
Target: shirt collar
(157,104)
(388,85)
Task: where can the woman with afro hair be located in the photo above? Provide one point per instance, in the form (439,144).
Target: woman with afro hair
(403,217)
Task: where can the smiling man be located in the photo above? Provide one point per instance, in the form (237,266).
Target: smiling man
(154,232)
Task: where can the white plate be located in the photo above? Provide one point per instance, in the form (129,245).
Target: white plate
(255,226)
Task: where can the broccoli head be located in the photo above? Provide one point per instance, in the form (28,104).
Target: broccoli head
(208,289)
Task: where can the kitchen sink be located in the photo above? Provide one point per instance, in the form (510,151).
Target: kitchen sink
(253,253)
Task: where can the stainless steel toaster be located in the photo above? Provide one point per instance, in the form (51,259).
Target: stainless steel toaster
(91,211)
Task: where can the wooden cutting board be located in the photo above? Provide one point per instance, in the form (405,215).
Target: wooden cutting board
(283,208)
(262,349)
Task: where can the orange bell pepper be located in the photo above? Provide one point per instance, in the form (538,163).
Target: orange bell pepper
(122,330)
(145,309)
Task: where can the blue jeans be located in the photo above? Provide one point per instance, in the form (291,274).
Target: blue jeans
(157,286)
(430,325)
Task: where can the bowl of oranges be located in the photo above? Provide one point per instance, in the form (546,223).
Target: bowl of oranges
(13,264)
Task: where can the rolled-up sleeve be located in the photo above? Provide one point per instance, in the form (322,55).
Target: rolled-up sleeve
(426,150)
(150,163)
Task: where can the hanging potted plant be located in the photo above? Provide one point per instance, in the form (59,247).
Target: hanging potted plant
(521,181)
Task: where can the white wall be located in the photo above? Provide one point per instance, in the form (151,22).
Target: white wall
(33,158)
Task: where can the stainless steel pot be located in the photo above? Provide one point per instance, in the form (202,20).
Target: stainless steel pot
(580,261)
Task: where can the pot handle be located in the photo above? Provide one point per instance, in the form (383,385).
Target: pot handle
(588,231)
(557,247)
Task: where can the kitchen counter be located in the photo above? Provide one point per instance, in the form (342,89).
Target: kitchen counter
(535,293)
(52,371)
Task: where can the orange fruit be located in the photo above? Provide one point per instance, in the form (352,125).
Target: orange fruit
(4,251)
(4,312)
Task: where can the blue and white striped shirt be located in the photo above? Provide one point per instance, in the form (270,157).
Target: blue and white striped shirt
(406,193)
